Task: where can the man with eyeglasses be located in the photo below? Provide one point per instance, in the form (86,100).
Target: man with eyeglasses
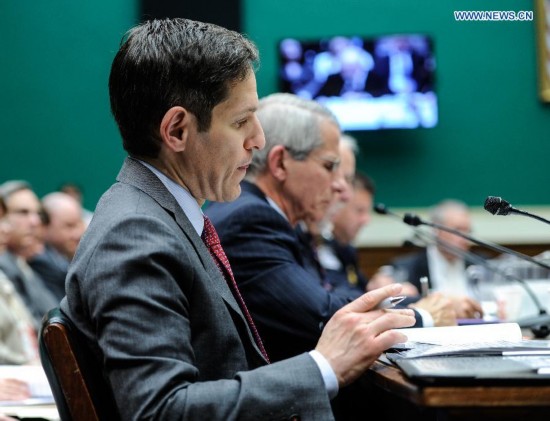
(293,178)
(23,214)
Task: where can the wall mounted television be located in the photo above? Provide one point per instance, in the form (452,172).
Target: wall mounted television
(370,83)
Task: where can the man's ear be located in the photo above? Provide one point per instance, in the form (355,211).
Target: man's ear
(174,128)
(276,162)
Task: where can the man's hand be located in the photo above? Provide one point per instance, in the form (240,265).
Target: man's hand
(381,278)
(466,307)
(356,335)
(440,308)
(14,390)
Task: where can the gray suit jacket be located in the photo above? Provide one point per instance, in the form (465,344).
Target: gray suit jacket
(157,312)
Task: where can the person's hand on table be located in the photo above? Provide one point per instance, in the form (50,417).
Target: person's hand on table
(357,334)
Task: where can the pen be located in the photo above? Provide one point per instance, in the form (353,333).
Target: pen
(424,286)
(390,302)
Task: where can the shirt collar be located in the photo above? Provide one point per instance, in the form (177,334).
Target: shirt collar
(186,202)
(275,206)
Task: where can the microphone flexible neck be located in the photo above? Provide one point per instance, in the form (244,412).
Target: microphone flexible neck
(474,258)
(495,247)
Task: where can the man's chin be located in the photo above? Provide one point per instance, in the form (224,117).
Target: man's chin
(230,195)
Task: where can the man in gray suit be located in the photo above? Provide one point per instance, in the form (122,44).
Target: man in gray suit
(173,340)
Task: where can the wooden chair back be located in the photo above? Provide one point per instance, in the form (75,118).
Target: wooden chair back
(80,391)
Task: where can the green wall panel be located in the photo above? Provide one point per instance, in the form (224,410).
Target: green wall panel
(55,120)
(493,136)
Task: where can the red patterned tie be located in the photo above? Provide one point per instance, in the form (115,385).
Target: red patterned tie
(212,241)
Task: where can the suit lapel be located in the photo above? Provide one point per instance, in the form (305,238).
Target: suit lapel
(139,176)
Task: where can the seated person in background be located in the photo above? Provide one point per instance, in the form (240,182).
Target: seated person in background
(23,213)
(74,190)
(62,234)
(18,337)
(445,261)
(294,178)
(338,256)
(309,230)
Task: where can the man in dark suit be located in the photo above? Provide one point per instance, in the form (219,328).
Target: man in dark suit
(294,179)
(339,258)
(155,300)
(63,231)
(337,252)
(23,210)
(444,262)
(292,182)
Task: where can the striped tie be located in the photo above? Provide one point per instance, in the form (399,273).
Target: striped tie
(212,241)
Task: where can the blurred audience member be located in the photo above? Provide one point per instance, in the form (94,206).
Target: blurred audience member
(23,215)
(62,235)
(18,337)
(444,261)
(310,230)
(339,256)
(294,178)
(75,191)
(337,253)
(18,333)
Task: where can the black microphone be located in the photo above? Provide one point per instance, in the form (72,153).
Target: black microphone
(539,325)
(382,209)
(499,206)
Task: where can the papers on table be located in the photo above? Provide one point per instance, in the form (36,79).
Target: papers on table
(502,339)
(456,335)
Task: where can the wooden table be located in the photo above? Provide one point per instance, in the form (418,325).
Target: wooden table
(399,398)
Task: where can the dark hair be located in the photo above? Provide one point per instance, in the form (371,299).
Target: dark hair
(364,182)
(164,63)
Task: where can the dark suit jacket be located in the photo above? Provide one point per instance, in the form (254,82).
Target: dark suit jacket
(349,276)
(285,297)
(52,268)
(349,279)
(172,341)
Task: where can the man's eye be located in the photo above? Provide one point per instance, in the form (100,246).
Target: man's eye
(330,166)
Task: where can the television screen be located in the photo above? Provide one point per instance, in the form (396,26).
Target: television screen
(383,82)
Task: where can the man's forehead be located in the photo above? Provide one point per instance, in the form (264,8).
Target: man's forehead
(22,197)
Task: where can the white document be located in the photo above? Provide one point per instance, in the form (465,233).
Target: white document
(468,334)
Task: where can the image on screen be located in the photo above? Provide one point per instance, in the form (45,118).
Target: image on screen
(384,82)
